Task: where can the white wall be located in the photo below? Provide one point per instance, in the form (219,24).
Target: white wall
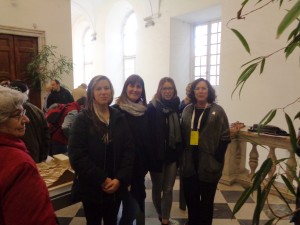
(53,17)
(278,86)
(163,50)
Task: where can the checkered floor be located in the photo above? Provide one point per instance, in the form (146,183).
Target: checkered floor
(226,197)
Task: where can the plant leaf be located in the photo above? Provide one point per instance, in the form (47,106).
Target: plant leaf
(268,118)
(243,77)
(282,197)
(258,58)
(292,132)
(244,2)
(262,172)
(262,66)
(290,17)
(270,222)
(289,185)
(297,116)
(242,39)
(242,199)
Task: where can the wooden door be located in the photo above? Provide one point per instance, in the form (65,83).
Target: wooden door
(15,53)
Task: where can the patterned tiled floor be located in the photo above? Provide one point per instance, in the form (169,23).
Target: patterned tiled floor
(225,200)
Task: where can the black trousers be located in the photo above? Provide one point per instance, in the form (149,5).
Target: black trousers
(108,211)
(199,197)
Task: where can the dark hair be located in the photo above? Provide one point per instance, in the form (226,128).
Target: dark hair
(91,86)
(133,79)
(56,81)
(81,101)
(19,85)
(161,83)
(211,91)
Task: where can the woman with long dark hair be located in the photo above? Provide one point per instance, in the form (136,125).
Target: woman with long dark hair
(101,154)
(133,104)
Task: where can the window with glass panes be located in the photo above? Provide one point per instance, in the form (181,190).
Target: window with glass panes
(207,41)
(129,38)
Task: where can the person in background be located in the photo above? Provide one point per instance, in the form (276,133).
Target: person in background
(79,92)
(5,82)
(165,134)
(58,94)
(206,134)
(60,130)
(48,91)
(24,198)
(37,135)
(132,102)
(186,100)
(72,112)
(101,152)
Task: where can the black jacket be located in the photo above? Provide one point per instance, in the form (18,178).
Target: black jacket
(158,133)
(87,153)
(63,96)
(37,135)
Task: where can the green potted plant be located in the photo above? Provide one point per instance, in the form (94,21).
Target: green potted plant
(257,64)
(48,65)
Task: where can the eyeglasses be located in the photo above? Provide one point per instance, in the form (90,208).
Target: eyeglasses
(19,116)
(167,89)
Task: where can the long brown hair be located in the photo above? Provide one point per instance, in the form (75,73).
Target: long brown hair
(90,91)
(161,83)
(133,79)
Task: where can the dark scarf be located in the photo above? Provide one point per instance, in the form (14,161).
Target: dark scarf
(170,109)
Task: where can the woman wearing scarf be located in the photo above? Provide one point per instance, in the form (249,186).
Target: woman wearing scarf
(166,138)
(133,104)
(101,154)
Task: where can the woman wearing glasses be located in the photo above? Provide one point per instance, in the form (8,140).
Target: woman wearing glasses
(166,138)
(24,198)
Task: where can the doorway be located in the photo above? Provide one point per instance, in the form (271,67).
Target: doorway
(16,52)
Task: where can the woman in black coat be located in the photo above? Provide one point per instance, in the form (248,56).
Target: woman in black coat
(101,154)
(133,104)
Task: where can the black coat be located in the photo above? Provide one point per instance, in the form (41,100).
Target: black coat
(158,133)
(87,153)
(63,96)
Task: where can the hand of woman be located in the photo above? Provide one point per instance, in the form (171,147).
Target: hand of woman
(111,187)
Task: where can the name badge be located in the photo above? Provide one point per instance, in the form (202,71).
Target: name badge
(194,139)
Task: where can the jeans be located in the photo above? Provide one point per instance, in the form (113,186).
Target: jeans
(162,189)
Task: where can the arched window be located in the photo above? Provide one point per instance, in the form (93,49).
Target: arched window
(88,63)
(129,45)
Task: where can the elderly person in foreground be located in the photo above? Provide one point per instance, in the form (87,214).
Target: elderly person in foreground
(24,198)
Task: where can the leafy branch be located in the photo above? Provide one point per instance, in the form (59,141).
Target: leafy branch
(258,180)
(259,62)
(47,65)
